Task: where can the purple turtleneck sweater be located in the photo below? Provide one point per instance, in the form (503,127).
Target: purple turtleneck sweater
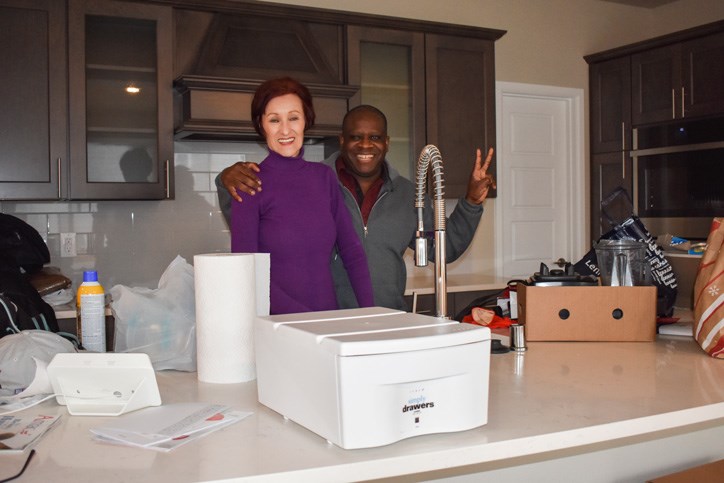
(298,218)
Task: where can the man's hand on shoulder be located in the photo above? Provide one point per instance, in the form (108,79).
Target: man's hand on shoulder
(480,181)
(242,177)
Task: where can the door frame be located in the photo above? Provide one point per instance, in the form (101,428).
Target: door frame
(577,228)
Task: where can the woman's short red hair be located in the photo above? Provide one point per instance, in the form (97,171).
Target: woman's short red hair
(280,87)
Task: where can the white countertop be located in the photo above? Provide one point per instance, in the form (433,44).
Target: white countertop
(554,396)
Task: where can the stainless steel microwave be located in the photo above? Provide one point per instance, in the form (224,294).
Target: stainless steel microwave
(678,184)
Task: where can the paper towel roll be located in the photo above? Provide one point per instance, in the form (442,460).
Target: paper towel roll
(231,288)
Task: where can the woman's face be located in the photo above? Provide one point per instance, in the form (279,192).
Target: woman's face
(283,125)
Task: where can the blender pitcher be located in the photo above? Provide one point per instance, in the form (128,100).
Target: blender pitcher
(622,262)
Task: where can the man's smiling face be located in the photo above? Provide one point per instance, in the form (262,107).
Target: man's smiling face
(364,144)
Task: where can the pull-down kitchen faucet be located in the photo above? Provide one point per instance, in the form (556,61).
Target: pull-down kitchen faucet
(430,154)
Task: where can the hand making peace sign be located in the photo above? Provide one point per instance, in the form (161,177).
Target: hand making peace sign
(480,181)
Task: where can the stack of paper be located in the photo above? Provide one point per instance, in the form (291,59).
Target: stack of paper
(17,433)
(164,428)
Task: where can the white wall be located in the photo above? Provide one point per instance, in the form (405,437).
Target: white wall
(132,242)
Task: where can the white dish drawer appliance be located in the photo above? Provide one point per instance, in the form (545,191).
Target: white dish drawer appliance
(369,377)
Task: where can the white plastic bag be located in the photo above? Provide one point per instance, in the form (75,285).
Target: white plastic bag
(159,322)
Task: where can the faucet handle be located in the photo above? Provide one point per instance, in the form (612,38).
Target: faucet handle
(420,250)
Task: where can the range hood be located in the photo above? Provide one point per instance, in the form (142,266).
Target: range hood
(221,58)
(219,109)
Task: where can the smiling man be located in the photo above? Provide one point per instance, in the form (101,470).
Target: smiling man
(381,202)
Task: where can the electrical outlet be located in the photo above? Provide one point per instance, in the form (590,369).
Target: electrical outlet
(67,245)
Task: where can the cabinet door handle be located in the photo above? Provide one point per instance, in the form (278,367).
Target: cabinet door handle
(168,181)
(623,150)
(673,103)
(59,178)
(682,101)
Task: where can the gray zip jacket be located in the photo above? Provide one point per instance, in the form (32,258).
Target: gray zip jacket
(390,230)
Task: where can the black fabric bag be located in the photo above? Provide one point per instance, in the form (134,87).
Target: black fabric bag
(21,244)
(632,228)
(22,251)
(21,306)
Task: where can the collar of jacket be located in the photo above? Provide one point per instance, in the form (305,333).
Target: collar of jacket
(388,184)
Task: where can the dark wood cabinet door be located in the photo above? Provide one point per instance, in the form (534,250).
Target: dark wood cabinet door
(656,84)
(460,113)
(32,95)
(120,100)
(703,64)
(389,68)
(610,97)
(609,171)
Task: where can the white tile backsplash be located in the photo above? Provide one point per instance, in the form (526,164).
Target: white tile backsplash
(132,242)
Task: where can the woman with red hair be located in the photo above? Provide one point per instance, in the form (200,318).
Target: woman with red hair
(299,218)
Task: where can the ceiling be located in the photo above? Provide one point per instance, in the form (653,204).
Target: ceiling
(642,3)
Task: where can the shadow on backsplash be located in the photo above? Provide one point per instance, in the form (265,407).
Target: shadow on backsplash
(132,242)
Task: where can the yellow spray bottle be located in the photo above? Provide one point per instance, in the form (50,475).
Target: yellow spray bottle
(91,310)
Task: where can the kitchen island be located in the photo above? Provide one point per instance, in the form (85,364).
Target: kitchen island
(575,411)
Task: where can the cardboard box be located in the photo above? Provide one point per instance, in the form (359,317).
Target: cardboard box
(700,474)
(685,267)
(575,313)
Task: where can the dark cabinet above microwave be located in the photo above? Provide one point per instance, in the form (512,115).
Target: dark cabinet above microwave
(679,81)
(672,77)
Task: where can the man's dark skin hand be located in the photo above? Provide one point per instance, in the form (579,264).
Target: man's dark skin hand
(241,176)
(480,182)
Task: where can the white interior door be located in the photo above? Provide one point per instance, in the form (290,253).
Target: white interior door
(540,213)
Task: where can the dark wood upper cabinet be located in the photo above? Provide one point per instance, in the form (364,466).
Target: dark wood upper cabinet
(389,68)
(120,97)
(681,80)
(69,128)
(33,117)
(610,98)
(703,79)
(460,114)
(656,85)
(434,89)
(91,88)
